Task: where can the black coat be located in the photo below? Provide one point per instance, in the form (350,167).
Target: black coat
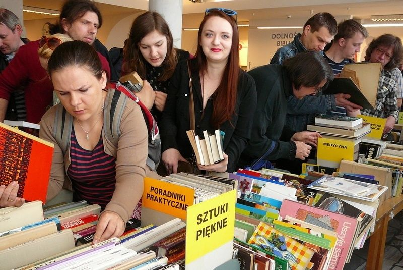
(175,121)
(273,89)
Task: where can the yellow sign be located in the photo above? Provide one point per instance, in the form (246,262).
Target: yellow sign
(335,149)
(400,118)
(167,197)
(376,126)
(210,224)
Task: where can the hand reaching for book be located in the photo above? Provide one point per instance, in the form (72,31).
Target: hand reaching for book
(390,121)
(110,224)
(170,158)
(302,150)
(160,100)
(8,195)
(310,138)
(219,167)
(341,99)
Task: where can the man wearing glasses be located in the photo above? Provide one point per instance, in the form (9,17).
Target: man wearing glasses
(387,49)
(318,31)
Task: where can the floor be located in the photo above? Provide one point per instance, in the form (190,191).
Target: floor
(393,254)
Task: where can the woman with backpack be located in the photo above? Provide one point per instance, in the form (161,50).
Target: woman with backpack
(102,169)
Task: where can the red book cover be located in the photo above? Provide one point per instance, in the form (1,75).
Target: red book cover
(79,221)
(26,159)
(343,225)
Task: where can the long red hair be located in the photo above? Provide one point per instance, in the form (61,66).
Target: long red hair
(226,94)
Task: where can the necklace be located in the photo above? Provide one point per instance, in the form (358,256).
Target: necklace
(87,132)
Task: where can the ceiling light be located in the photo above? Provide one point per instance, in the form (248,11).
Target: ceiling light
(40,11)
(381,25)
(278,27)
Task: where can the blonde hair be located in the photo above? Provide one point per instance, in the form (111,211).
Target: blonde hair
(45,51)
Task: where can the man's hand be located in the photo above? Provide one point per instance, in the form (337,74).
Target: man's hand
(170,158)
(160,100)
(307,137)
(219,167)
(146,95)
(390,121)
(302,150)
(110,224)
(8,195)
(341,99)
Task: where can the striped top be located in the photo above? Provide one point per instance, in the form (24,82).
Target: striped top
(92,173)
(337,67)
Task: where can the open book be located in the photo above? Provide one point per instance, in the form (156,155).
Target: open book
(360,80)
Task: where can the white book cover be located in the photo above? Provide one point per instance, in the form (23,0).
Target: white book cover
(209,147)
(215,150)
(20,123)
(219,143)
(200,153)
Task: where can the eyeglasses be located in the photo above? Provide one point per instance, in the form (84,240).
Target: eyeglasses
(228,12)
(383,52)
(52,42)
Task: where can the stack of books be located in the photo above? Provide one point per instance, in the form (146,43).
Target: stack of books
(26,237)
(209,150)
(340,139)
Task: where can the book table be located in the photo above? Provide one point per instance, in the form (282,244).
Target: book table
(387,209)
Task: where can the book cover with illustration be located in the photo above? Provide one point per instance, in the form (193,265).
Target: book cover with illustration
(273,241)
(343,225)
(26,159)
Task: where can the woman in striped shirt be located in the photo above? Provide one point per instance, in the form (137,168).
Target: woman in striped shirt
(100,171)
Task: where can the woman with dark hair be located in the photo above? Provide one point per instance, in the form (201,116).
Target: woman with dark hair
(302,75)
(150,52)
(102,170)
(387,49)
(223,95)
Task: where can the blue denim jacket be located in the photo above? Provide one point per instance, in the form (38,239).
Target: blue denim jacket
(289,50)
(302,112)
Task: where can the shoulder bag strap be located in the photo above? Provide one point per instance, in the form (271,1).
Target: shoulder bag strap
(191,102)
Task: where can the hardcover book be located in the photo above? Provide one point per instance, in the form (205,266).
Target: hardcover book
(343,225)
(282,246)
(362,130)
(26,159)
(338,121)
(366,77)
(347,86)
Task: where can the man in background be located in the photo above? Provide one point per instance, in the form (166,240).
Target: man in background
(387,49)
(318,31)
(10,41)
(347,42)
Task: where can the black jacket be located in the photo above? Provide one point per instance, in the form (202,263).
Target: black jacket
(273,89)
(175,120)
(99,47)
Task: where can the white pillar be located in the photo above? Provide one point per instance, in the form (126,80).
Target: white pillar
(171,10)
(14,6)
